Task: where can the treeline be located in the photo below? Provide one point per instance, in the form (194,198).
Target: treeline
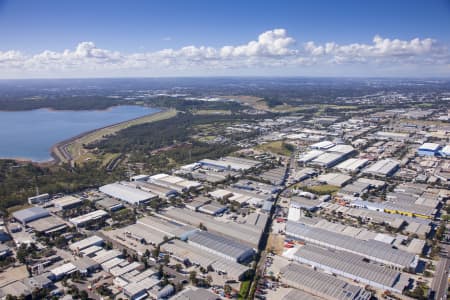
(61,103)
(18,181)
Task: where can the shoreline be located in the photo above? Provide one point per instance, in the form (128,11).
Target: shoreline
(59,152)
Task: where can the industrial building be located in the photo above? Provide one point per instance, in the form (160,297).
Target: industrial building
(39,199)
(388,135)
(336,179)
(248,234)
(374,250)
(30,214)
(67,202)
(176,183)
(333,156)
(309,156)
(428,149)
(383,168)
(324,145)
(321,284)
(352,165)
(191,255)
(86,243)
(82,220)
(109,204)
(352,266)
(161,191)
(224,247)
(127,193)
(47,225)
(230,163)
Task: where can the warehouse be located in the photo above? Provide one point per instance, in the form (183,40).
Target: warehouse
(264,188)
(324,145)
(221,246)
(350,265)
(371,249)
(176,183)
(352,165)
(127,194)
(106,255)
(161,191)
(309,156)
(275,176)
(67,202)
(63,270)
(355,189)
(30,214)
(336,179)
(88,218)
(170,229)
(47,225)
(221,194)
(230,163)
(192,255)
(395,136)
(244,233)
(297,294)
(321,284)
(86,243)
(383,168)
(428,149)
(109,204)
(192,293)
(445,152)
(213,208)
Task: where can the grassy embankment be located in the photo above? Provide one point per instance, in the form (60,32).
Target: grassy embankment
(80,154)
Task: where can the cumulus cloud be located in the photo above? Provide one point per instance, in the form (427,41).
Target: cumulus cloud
(272,49)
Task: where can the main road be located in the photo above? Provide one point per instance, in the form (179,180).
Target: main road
(440,280)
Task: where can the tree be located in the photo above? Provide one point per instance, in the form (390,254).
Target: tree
(193,277)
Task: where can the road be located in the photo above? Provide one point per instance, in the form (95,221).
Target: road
(440,280)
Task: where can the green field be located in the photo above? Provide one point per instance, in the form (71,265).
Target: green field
(276,147)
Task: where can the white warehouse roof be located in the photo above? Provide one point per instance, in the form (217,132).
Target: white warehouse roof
(126,193)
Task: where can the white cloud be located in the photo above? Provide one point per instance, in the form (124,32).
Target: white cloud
(273,49)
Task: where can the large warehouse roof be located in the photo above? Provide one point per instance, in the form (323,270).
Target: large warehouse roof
(326,286)
(383,167)
(126,193)
(29,214)
(371,249)
(348,263)
(227,246)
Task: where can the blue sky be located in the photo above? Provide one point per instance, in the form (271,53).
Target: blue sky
(122,28)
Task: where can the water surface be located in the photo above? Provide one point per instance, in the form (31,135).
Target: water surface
(31,134)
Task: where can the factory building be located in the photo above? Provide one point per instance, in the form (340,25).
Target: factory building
(352,165)
(352,266)
(82,220)
(324,145)
(321,284)
(383,168)
(230,163)
(371,249)
(127,193)
(176,183)
(67,202)
(30,214)
(224,247)
(86,243)
(428,149)
(445,152)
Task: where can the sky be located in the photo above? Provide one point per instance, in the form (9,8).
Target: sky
(157,38)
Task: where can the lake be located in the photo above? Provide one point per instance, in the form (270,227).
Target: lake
(31,134)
